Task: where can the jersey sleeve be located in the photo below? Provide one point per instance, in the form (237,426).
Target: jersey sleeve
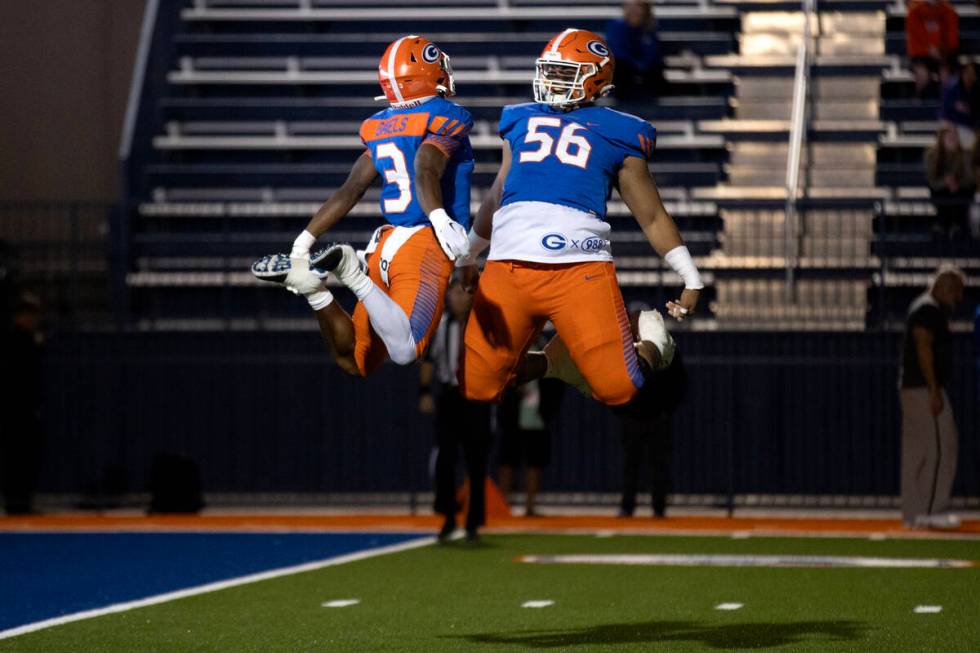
(643,141)
(508,118)
(449,129)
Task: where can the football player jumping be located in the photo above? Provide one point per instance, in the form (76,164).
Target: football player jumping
(420,145)
(550,256)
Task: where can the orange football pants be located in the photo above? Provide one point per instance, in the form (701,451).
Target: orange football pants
(513,301)
(418,276)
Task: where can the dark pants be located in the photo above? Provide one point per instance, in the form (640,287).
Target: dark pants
(21,447)
(654,435)
(466,423)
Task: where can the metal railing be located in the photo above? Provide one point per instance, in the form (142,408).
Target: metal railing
(797,136)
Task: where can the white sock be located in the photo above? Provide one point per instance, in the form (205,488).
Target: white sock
(390,323)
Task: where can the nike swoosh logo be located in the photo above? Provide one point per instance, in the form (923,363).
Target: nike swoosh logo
(590,277)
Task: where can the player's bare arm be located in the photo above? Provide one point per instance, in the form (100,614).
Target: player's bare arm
(482,227)
(639,191)
(430,163)
(361,176)
(483,224)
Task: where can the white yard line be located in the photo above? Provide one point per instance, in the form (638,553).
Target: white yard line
(729,606)
(216,586)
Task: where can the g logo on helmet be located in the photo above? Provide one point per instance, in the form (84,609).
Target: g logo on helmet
(430,53)
(598,48)
(554,242)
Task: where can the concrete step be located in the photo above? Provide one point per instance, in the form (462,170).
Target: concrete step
(810,177)
(765,154)
(853,89)
(811,294)
(840,235)
(820,110)
(830,22)
(765,43)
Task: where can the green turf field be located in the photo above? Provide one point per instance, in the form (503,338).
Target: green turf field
(461,597)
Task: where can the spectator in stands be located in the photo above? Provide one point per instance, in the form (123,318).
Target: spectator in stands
(524,417)
(652,431)
(932,37)
(21,436)
(929,437)
(458,422)
(961,104)
(951,181)
(633,40)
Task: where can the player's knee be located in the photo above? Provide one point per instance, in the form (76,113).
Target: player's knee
(483,392)
(619,394)
(403,352)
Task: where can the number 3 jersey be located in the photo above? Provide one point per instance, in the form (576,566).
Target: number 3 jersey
(394,135)
(563,167)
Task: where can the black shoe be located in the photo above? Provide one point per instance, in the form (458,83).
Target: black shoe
(448,528)
(472,535)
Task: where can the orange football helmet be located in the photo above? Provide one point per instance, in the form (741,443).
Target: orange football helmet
(413,68)
(575,67)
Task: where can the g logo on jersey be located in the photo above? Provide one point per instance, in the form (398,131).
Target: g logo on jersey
(554,242)
(430,53)
(598,48)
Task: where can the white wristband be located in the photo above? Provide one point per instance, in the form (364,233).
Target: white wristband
(319,299)
(302,244)
(477,244)
(439,218)
(680,260)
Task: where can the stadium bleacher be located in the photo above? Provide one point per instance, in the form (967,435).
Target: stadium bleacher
(252,121)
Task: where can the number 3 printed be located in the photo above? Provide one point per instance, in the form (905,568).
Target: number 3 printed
(396,175)
(567,138)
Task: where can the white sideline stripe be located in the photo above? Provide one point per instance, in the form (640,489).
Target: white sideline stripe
(729,606)
(928,609)
(728,560)
(537,604)
(340,603)
(216,586)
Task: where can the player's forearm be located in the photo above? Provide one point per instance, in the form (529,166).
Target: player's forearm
(338,205)
(662,233)
(335,208)
(430,163)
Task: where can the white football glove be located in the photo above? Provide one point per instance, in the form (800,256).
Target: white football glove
(450,234)
(301,280)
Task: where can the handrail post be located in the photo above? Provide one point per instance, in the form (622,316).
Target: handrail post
(797,134)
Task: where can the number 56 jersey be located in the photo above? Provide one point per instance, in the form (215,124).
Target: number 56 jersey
(563,167)
(394,135)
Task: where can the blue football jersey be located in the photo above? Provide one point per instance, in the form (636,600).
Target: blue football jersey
(393,137)
(570,158)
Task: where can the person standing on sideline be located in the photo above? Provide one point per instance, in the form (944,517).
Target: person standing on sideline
(524,419)
(929,438)
(21,433)
(458,421)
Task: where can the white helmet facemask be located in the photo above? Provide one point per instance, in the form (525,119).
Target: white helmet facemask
(561,83)
(447,67)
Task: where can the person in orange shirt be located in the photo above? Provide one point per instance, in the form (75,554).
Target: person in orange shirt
(932,37)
